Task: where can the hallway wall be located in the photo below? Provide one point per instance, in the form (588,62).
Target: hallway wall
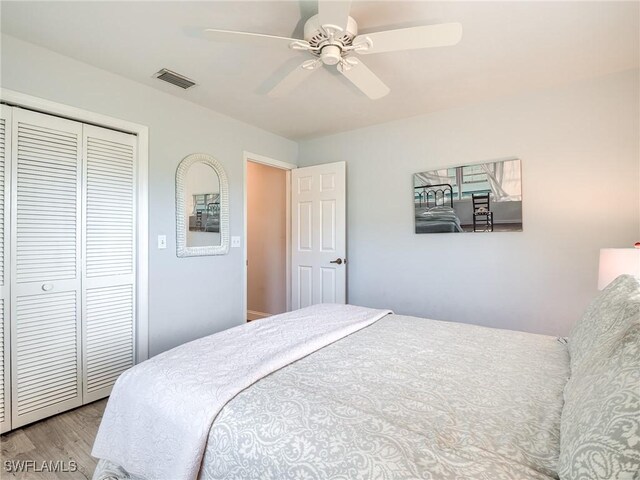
(266,239)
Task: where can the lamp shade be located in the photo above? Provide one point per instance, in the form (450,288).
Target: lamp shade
(615,262)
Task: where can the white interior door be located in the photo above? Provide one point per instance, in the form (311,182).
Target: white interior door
(45,266)
(5,192)
(108,291)
(318,230)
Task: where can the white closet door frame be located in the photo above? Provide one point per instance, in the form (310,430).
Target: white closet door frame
(19,99)
(5,418)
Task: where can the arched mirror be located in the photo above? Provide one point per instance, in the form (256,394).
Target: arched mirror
(202,207)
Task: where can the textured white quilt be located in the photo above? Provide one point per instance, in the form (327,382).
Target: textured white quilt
(160,412)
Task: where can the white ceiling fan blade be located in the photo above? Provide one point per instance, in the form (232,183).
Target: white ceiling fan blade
(441,35)
(295,78)
(246,38)
(363,78)
(334,12)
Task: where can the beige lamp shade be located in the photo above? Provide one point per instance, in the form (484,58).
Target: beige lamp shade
(615,262)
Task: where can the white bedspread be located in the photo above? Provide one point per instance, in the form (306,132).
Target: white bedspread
(160,412)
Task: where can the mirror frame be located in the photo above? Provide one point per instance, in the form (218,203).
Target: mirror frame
(182,250)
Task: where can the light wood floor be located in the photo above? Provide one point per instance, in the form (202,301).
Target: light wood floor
(65,437)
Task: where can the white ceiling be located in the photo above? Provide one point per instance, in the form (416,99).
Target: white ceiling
(507,48)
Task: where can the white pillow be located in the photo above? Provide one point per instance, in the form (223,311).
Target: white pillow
(600,424)
(606,319)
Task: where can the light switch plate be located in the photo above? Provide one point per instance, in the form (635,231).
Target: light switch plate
(162,241)
(235,242)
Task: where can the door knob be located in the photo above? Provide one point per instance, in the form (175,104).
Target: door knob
(47,287)
(338,261)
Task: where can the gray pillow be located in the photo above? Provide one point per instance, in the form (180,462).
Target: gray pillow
(606,319)
(600,424)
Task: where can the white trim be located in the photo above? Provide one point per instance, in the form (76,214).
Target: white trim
(5,289)
(254,157)
(288,239)
(182,249)
(252,315)
(142,284)
(19,99)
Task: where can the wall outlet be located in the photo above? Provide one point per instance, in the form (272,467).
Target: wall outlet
(162,242)
(235,242)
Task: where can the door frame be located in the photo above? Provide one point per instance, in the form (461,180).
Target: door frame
(271,162)
(41,105)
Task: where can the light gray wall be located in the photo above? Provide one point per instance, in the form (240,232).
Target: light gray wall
(188,297)
(579,148)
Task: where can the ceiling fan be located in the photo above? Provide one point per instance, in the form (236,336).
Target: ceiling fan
(331,38)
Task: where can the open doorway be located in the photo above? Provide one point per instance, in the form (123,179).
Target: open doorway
(267,237)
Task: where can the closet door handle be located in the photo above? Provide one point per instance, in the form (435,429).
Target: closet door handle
(338,261)
(47,287)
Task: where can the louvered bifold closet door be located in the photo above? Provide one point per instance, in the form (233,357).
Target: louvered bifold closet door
(5,328)
(45,258)
(109,259)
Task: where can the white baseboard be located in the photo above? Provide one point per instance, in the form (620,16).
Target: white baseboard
(253,315)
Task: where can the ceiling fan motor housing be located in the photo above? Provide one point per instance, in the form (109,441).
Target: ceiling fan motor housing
(325,45)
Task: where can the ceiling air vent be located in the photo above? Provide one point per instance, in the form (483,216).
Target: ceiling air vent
(174,78)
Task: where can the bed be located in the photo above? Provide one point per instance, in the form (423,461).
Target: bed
(434,212)
(404,397)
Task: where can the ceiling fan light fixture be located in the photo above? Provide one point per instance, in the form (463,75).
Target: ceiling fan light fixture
(331,54)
